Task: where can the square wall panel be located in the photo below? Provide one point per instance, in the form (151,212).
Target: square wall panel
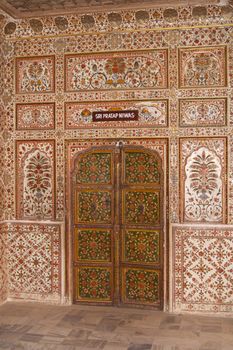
(35,74)
(203,67)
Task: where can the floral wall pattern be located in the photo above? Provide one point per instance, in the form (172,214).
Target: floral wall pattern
(141,70)
(202,268)
(34,261)
(35,170)
(32,116)
(35,75)
(56,73)
(203,166)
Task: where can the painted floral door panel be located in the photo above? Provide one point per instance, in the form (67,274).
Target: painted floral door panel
(118,227)
(94,197)
(142,227)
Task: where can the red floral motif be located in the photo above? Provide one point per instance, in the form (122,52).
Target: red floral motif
(94,284)
(37,185)
(142,286)
(203,183)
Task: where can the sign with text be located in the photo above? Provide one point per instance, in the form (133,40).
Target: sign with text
(111,116)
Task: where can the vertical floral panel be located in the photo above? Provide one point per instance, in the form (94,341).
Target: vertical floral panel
(35,74)
(203,185)
(35,180)
(129,70)
(203,67)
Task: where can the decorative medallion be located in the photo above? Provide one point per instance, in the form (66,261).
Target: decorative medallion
(94,168)
(141,168)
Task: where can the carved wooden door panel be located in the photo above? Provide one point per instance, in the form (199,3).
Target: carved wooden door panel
(118,225)
(94,197)
(141,262)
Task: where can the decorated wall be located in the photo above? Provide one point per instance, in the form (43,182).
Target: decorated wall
(172,65)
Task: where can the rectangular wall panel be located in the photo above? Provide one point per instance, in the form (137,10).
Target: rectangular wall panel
(33,116)
(203,112)
(203,67)
(34,261)
(202,268)
(35,74)
(119,70)
(203,185)
(151,113)
(35,179)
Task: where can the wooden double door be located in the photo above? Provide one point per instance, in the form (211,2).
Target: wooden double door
(118,227)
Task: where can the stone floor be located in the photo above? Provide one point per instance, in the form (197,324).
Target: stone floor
(34,326)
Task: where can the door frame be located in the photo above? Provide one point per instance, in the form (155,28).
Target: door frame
(82,146)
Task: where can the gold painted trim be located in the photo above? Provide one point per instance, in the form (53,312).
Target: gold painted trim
(123,31)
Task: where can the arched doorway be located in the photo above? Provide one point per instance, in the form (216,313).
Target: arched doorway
(117,225)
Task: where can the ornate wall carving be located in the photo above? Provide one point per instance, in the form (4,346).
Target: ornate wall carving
(128,70)
(35,180)
(34,116)
(203,186)
(202,268)
(202,67)
(203,112)
(35,75)
(185,92)
(34,261)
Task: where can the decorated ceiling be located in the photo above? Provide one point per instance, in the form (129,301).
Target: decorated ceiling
(26,8)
